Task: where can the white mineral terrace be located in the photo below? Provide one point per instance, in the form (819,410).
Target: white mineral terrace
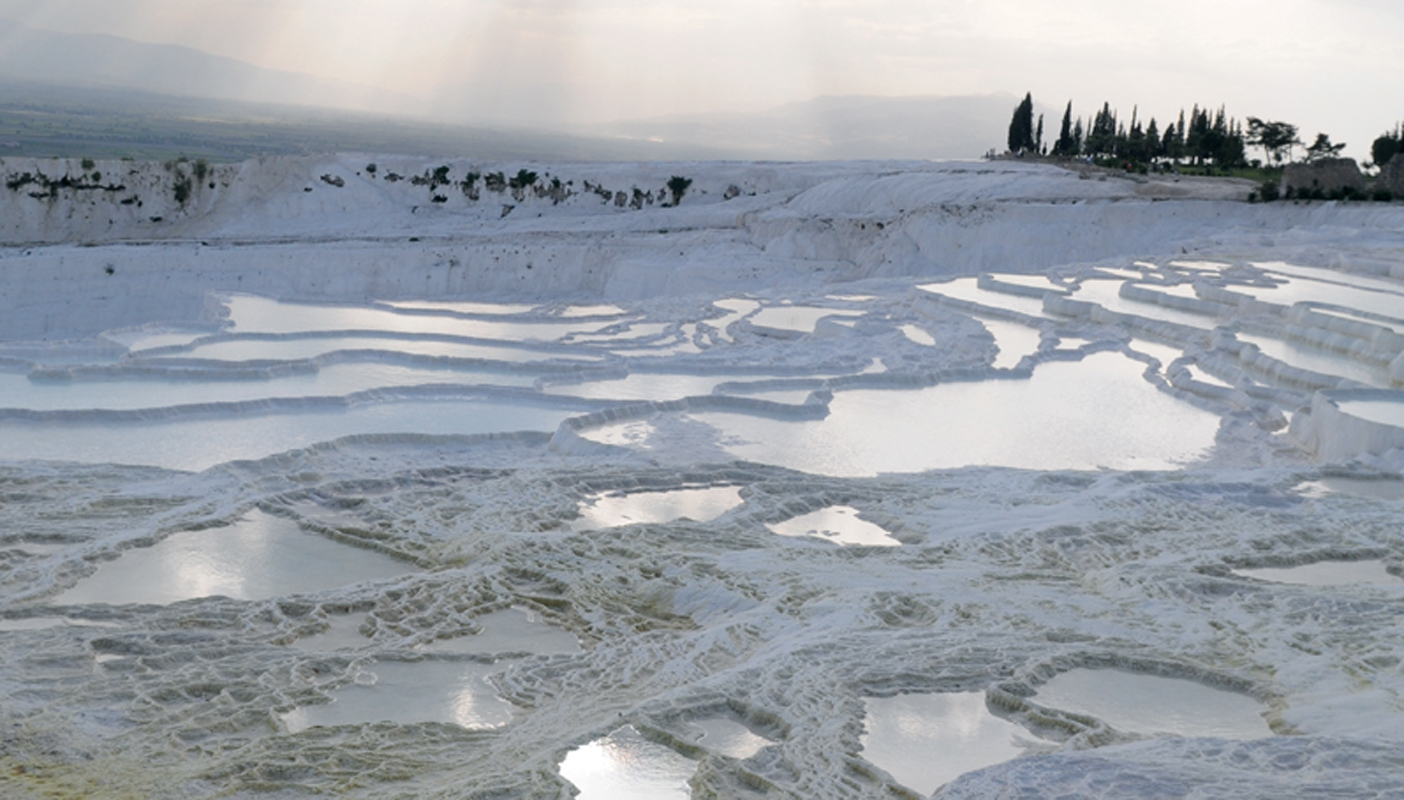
(974,479)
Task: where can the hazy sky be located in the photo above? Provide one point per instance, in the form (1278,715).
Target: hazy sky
(1327,65)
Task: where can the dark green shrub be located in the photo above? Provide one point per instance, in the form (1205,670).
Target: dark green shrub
(470,185)
(678,186)
(523,179)
(88,163)
(371,168)
(183,187)
(1382,196)
(1268,191)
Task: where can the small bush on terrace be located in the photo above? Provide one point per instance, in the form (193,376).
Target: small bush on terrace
(678,186)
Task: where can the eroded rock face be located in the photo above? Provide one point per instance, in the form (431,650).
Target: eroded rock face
(1392,176)
(1328,175)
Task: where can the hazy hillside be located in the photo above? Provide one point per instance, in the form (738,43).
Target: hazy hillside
(46,71)
(844,128)
(49,120)
(100,60)
(43,72)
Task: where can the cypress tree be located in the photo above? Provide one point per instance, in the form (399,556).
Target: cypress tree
(1101,138)
(1136,139)
(1064,146)
(1194,138)
(1021,133)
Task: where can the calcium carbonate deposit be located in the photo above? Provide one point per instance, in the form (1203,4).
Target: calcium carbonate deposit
(383,477)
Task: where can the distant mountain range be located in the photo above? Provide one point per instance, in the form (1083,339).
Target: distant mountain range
(851,127)
(95,60)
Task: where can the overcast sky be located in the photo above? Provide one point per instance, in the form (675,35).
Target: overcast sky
(1326,65)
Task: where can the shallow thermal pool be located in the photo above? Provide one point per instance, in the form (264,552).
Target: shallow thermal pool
(1327,573)
(197,443)
(726,737)
(626,766)
(305,347)
(250,314)
(928,740)
(258,557)
(801,319)
(1315,360)
(462,306)
(838,524)
(1107,295)
(919,335)
(649,386)
(1385,412)
(1013,340)
(967,290)
(1379,488)
(434,689)
(410,691)
(1360,294)
(334,380)
(1152,705)
(736,308)
(138,340)
(615,509)
(1092,414)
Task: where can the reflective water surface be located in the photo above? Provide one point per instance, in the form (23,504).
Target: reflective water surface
(199,443)
(928,740)
(839,524)
(1327,573)
(259,557)
(407,692)
(1091,414)
(699,505)
(626,766)
(727,737)
(1385,412)
(1150,704)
